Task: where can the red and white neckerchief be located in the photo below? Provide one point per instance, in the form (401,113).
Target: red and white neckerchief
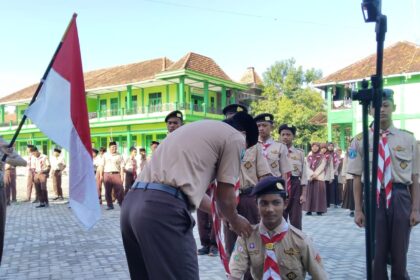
(289,175)
(217,224)
(271,267)
(265,146)
(384,168)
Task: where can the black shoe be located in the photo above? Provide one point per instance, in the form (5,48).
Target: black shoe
(351,214)
(14,201)
(61,198)
(213,251)
(42,205)
(203,251)
(319,213)
(308,214)
(110,208)
(35,201)
(55,198)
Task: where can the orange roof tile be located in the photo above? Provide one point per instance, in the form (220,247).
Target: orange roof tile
(251,77)
(402,57)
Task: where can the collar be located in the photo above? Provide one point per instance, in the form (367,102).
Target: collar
(284,226)
(269,141)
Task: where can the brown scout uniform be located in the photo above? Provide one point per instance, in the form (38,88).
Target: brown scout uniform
(253,166)
(276,155)
(158,225)
(30,179)
(299,180)
(329,177)
(113,166)
(42,168)
(296,255)
(57,166)
(10,182)
(316,194)
(392,233)
(98,165)
(130,170)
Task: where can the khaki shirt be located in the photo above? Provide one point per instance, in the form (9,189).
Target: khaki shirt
(113,162)
(297,161)
(295,254)
(130,163)
(30,163)
(277,157)
(253,166)
(42,163)
(98,163)
(405,157)
(319,172)
(195,154)
(57,163)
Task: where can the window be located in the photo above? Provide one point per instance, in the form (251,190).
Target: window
(102,107)
(155,102)
(212,105)
(114,106)
(197,102)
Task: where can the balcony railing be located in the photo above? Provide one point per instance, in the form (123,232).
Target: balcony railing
(341,104)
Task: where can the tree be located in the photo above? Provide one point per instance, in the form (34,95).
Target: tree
(289,98)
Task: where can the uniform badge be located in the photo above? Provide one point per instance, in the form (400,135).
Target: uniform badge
(248,165)
(399,148)
(291,275)
(269,246)
(274,165)
(240,248)
(295,168)
(252,245)
(274,152)
(352,153)
(239,109)
(178,115)
(236,258)
(403,164)
(318,258)
(291,251)
(279,186)
(267,118)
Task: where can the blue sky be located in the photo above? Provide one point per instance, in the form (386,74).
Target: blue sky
(325,34)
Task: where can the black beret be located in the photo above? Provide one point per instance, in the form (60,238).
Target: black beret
(265,117)
(287,126)
(388,94)
(270,185)
(112,143)
(242,121)
(154,142)
(174,114)
(58,150)
(234,108)
(95,151)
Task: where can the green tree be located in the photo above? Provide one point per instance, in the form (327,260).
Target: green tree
(289,98)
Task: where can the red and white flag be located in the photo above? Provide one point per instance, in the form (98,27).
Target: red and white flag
(60,112)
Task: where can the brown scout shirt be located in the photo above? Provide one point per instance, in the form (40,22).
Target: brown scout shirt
(253,166)
(405,158)
(296,255)
(194,155)
(277,157)
(297,161)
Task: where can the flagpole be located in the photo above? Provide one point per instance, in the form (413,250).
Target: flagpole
(22,121)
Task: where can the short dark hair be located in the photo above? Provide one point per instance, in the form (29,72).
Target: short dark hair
(33,149)
(133,149)
(102,149)
(142,149)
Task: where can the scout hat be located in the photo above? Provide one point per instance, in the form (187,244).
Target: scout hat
(388,94)
(270,185)
(287,126)
(242,121)
(174,114)
(154,142)
(234,108)
(57,149)
(265,117)
(95,151)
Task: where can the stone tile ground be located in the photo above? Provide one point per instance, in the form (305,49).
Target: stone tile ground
(50,244)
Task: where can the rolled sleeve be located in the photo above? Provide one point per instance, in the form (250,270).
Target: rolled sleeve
(355,158)
(312,261)
(229,163)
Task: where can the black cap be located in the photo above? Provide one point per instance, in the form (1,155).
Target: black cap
(270,185)
(174,114)
(265,117)
(95,151)
(242,121)
(154,142)
(112,143)
(58,150)
(287,126)
(388,94)
(234,108)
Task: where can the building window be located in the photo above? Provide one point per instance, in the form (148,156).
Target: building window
(114,106)
(155,102)
(102,107)
(197,102)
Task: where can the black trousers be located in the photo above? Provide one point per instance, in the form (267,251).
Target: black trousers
(157,235)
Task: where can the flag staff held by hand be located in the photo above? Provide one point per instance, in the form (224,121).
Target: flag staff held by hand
(22,121)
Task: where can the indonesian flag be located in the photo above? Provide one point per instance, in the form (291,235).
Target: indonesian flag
(60,112)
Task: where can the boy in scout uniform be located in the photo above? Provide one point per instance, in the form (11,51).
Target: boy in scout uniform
(113,174)
(232,109)
(397,194)
(275,153)
(30,178)
(130,170)
(10,182)
(42,169)
(174,120)
(57,166)
(275,249)
(156,223)
(298,176)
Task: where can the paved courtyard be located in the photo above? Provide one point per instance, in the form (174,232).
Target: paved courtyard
(50,244)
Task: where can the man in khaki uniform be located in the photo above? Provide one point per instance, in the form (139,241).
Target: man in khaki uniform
(274,152)
(113,174)
(298,176)
(130,169)
(57,166)
(10,182)
(98,166)
(156,223)
(30,177)
(42,169)
(398,208)
(174,120)
(275,249)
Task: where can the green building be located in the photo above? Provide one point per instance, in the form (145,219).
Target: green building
(128,103)
(401,73)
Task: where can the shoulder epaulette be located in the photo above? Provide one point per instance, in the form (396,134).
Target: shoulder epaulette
(407,131)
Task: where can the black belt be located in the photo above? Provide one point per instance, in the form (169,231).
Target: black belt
(176,192)
(116,172)
(246,191)
(400,186)
(295,177)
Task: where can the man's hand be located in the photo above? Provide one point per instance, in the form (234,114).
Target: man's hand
(302,199)
(241,226)
(359,218)
(414,218)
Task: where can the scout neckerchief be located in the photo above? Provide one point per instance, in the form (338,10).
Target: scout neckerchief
(271,267)
(265,146)
(314,160)
(289,175)
(384,168)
